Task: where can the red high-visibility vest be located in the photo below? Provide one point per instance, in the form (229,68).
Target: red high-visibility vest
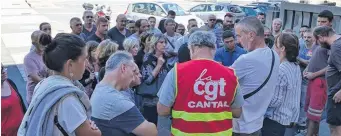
(205,90)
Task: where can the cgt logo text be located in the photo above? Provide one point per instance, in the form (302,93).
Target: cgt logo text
(211,90)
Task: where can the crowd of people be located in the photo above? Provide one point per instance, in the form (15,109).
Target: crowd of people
(228,77)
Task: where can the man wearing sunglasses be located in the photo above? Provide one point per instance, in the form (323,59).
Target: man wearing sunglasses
(216,29)
(89,27)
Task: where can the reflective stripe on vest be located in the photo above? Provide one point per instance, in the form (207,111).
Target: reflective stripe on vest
(201,116)
(176,132)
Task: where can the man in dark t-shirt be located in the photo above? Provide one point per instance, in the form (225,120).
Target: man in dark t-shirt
(328,39)
(101,32)
(119,33)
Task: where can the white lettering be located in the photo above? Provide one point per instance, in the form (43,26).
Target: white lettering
(213,93)
(196,87)
(208,104)
(222,84)
(191,104)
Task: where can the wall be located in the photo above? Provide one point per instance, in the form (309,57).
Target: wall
(295,14)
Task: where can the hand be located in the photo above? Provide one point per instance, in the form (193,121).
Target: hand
(337,97)
(93,125)
(309,75)
(92,76)
(160,61)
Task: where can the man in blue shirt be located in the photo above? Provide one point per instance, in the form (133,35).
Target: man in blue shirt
(229,52)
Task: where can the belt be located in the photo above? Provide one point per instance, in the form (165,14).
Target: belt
(292,124)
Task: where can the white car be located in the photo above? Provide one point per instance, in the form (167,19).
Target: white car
(143,10)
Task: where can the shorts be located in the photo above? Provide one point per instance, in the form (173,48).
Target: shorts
(316,99)
(333,112)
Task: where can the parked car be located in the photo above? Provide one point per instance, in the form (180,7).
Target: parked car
(250,10)
(219,9)
(143,10)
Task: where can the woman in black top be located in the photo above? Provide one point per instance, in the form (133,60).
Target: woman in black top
(154,70)
(89,79)
(143,49)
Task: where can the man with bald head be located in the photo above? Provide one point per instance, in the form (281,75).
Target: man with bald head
(89,28)
(252,70)
(119,32)
(217,29)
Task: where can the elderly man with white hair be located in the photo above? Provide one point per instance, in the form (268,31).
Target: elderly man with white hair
(114,113)
(257,73)
(201,95)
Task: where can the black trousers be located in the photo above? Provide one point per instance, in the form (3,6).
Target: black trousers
(272,128)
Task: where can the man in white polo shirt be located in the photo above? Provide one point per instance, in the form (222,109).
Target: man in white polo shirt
(257,73)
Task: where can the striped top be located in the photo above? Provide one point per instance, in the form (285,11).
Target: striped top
(285,104)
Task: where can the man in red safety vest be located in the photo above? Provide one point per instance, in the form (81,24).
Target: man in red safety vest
(200,96)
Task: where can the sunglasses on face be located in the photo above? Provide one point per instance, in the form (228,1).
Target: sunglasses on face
(45,29)
(213,19)
(89,17)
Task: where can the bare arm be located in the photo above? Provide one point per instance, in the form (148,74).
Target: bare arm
(320,72)
(156,70)
(236,112)
(35,78)
(146,129)
(85,129)
(163,110)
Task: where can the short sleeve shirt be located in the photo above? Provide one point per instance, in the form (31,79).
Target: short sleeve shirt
(113,112)
(333,73)
(71,114)
(319,60)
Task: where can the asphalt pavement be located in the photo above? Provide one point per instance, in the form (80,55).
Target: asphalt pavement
(19,20)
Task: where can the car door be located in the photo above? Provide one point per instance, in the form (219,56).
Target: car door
(139,11)
(198,11)
(156,11)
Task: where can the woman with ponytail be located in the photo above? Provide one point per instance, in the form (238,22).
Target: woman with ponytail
(60,105)
(34,66)
(284,108)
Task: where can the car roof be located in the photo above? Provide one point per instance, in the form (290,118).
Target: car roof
(249,6)
(155,2)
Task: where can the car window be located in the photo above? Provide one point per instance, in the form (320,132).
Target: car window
(140,8)
(175,7)
(156,10)
(199,8)
(213,7)
(234,9)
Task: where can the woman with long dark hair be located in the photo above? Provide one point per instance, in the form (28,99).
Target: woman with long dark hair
(59,105)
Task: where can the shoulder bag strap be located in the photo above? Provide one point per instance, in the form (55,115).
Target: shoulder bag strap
(18,94)
(170,43)
(266,80)
(55,120)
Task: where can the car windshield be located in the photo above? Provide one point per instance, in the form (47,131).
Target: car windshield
(177,9)
(234,9)
(257,10)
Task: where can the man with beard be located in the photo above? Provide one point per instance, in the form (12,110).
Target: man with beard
(180,28)
(269,39)
(192,23)
(302,30)
(228,22)
(131,26)
(261,17)
(315,72)
(119,32)
(101,32)
(89,27)
(141,26)
(328,39)
(76,27)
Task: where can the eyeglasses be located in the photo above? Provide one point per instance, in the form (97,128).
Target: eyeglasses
(124,21)
(45,29)
(78,24)
(213,19)
(89,17)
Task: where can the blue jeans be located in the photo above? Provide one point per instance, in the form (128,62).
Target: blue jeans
(272,128)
